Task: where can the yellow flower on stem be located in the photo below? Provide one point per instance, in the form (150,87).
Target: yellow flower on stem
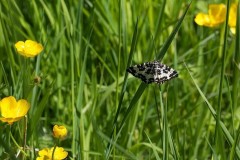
(47,154)
(12,110)
(59,132)
(233,17)
(28,48)
(216,15)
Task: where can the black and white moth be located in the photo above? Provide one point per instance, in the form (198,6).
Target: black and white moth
(153,72)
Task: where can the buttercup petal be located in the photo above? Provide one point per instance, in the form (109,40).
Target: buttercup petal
(44,152)
(59,153)
(20,46)
(203,19)
(8,107)
(217,12)
(232,15)
(10,120)
(22,108)
(32,48)
(233,30)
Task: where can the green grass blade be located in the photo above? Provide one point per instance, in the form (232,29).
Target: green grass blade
(165,129)
(153,148)
(236,62)
(213,112)
(172,146)
(236,74)
(37,112)
(234,146)
(218,135)
(133,46)
(158,28)
(134,100)
(169,40)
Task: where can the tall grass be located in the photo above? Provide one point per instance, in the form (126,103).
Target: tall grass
(110,114)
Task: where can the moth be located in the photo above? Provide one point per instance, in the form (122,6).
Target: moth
(154,71)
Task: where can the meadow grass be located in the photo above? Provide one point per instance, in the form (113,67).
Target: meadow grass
(80,80)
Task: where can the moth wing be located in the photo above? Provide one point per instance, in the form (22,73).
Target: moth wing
(153,72)
(139,71)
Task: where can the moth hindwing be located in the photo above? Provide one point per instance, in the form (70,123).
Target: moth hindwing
(153,72)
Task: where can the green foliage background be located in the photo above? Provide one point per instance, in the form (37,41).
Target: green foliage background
(84,86)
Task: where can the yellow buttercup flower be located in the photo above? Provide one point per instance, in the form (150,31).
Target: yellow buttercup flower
(233,17)
(46,154)
(216,16)
(28,48)
(12,110)
(59,131)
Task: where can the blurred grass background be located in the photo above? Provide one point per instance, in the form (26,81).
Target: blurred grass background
(80,79)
